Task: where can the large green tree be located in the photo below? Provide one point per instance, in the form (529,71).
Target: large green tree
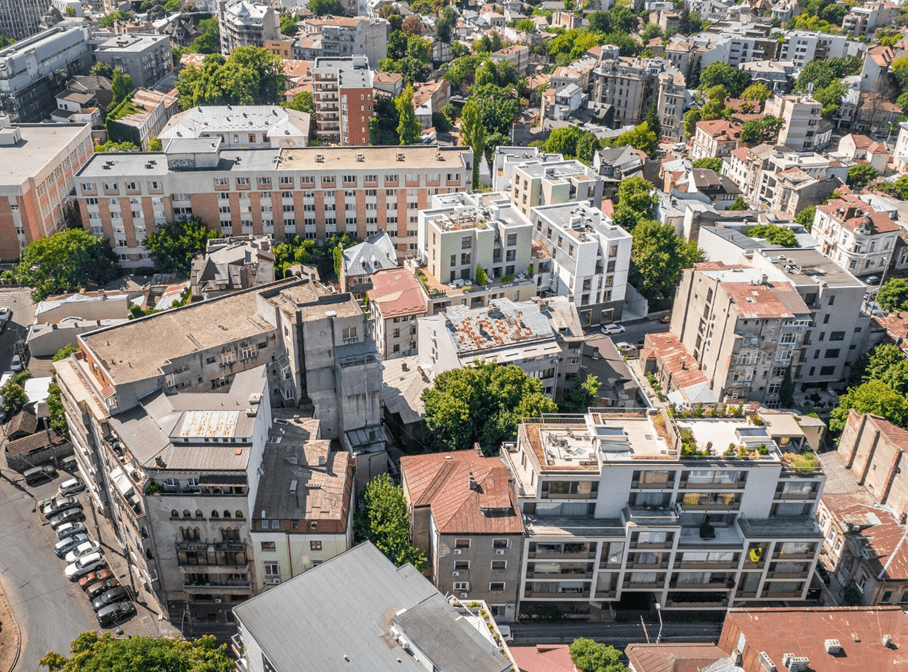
(872,397)
(894,295)
(91,652)
(805,216)
(174,245)
(409,130)
(591,656)
(777,235)
(382,518)
(583,394)
(481,404)
(640,137)
(658,258)
(634,202)
(121,86)
(302,102)
(474,133)
(721,73)
(712,162)
(757,91)
(251,76)
(66,262)
(765,130)
(323,7)
(860,175)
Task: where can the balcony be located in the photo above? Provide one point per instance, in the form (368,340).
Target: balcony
(568,555)
(560,575)
(651,515)
(637,485)
(579,595)
(658,585)
(219,588)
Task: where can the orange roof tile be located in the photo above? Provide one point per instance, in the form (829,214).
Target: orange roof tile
(881,530)
(543,658)
(397,292)
(676,360)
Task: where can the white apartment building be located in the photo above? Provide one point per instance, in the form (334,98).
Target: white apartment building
(801,115)
(855,235)
(590,258)
(246,23)
(618,510)
(539,182)
(805,46)
(342,36)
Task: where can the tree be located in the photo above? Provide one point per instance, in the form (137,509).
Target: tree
(302,102)
(696,73)
(634,202)
(860,175)
(822,73)
(786,390)
(289,27)
(872,397)
(101,69)
(444,25)
(627,45)
(411,26)
(323,7)
(777,235)
(119,15)
(383,126)
(251,76)
(587,146)
(719,72)
(739,204)
(174,245)
(879,361)
(481,404)
(650,30)
(652,120)
(481,275)
(91,652)
(121,86)
(591,656)
(13,397)
(894,295)
(563,141)
(584,394)
(899,70)
(831,97)
(714,163)
(805,217)
(111,146)
(640,137)
(765,130)
(409,130)
(757,91)
(473,132)
(382,518)
(659,257)
(64,352)
(154,145)
(66,262)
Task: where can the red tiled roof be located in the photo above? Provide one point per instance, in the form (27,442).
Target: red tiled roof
(673,657)
(861,141)
(397,292)
(443,482)
(881,530)
(720,128)
(740,152)
(675,358)
(881,222)
(759,301)
(543,658)
(882,56)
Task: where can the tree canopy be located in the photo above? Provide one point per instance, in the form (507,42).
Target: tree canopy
(714,163)
(302,102)
(824,72)
(897,189)
(860,175)
(174,245)
(658,259)
(481,404)
(251,76)
(894,295)
(871,397)
(409,130)
(382,518)
(805,216)
(573,143)
(584,393)
(758,131)
(66,262)
(721,73)
(91,652)
(640,137)
(591,656)
(634,202)
(757,91)
(324,7)
(777,235)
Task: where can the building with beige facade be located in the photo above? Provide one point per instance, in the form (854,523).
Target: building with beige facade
(801,115)
(246,23)
(856,235)
(311,192)
(40,163)
(396,300)
(241,126)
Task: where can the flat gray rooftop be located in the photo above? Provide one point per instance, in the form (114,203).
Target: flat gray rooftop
(40,143)
(800,265)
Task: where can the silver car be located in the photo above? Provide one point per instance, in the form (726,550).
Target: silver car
(67,544)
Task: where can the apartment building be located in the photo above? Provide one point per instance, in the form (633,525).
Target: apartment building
(241,126)
(517,55)
(537,183)
(543,337)
(715,138)
(359,609)
(20,19)
(872,451)
(856,235)
(744,166)
(805,46)
(785,182)
(246,23)
(303,512)
(34,70)
(465,519)
(209,382)
(618,509)
(337,36)
(311,192)
(41,161)
(145,58)
(801,115)
(396,300)
(343,98)
(632,85)
(865,19)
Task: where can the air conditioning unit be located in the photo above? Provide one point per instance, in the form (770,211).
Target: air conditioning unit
(217,600)
(500,551)
(455,573)
(457,551)
(274,579)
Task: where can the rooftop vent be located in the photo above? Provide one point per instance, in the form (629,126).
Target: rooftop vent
(400,156)
(255,398)
(795,663)
(887,641)
(765,661)
(319,158)
(833,646)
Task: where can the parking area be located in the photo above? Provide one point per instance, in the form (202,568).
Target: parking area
(50,610)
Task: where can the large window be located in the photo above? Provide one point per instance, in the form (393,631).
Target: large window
(710,476)
(556,489)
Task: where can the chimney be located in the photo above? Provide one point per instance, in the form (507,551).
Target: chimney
(473,484)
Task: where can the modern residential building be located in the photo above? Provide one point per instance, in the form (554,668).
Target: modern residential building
(396,300)
(208,385)
(804,46)
(145,58)
(39,162)
(865,19)
(246,23)
(241,126)
(801,115)
(312,192)
(735,42)
(543,337)
(20,19)
(336,36)
(627,509)
(153,110)
(517,55)
(590,258)
(358,609)
(343,98)
(34,70)
(464,517)
(303,512)
(544,181)
(231,264)
(855,235)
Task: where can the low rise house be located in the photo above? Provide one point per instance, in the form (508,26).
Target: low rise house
(231,264)
(145,118)
(855,235)
(396,300)
(429,98)
(361,261)
(862,148)
(241,126)
(715,139)
(46,447)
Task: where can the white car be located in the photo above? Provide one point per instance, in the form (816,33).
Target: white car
(84,565)
(612,329)
(16,364)
(83,549)
(71,487)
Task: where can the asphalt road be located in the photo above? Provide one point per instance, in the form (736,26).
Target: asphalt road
(615,634)
(635,331)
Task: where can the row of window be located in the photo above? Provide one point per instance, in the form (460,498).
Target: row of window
(464,566)
(198,514)
(271,546)
(494,586)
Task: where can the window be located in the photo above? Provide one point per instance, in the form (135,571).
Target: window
(242,181)
(499,565)
(496,587)
(462,566)
(462,585)
(226,358)
(315,545)
(462,543)
(272,569)
(268,546)
(837,336)
(832,354)
(348,332)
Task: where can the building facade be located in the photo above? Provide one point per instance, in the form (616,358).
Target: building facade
(396,300)
(20,19)
(801,115)
(145,58)
(855,235)
(246,23)
(344,100)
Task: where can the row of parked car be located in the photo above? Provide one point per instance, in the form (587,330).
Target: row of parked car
(85,558)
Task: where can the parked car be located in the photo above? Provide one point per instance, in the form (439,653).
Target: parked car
(16,364)
(94,577)
(64,546)
(112,596)
(505,631)
(71,487)
(612,329)
(872,280)
(37,475)
(6,313)
(69,529)
(84,565)
(624,346)
(115,613)
(83,549)
(100,587)
(55,506)
(68,516)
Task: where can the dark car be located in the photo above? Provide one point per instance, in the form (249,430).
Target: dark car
(110,596)
(115,613)
(69,529)
(101,587)
(68,516)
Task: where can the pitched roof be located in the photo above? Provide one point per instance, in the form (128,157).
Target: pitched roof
(28,444)
(675,359)
(672,657)
(882,56)
(463,489)
(376,253)
(853,213)
(397,292)
(881,534)
(24,421)
(720,128)
(543,658)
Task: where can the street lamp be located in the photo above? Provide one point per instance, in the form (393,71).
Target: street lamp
(659,612)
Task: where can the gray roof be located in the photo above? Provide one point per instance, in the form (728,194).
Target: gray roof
(376,253)
(271,119)
(40,144)
(338,616)
(131,43)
